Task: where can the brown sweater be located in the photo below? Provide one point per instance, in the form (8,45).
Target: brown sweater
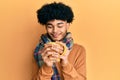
(75,69)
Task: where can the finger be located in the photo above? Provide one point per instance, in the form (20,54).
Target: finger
(64,47)
(46,57)
(60,45)
(47,45)
(44,48)
(65,54)
(47,54)
(54,59)
(43,52)
(57,50)
(57,47)
(55,55)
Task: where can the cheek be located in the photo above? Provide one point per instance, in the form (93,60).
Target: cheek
(49,30)
(64,30)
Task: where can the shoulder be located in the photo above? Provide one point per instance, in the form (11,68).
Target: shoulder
(78,47)
(78,50)
(77,53)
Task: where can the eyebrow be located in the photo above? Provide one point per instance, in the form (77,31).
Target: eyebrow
(48,24)
(57,23)
(60,23)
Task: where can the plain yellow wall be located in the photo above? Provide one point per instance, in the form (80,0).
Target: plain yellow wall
(96,27)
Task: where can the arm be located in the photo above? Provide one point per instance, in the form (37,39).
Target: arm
(78,70)
(43,73)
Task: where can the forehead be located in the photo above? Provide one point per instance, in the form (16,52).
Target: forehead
(54,22)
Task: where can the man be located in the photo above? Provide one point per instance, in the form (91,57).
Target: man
(57,57)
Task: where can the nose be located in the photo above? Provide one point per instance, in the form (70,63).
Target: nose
(54,29)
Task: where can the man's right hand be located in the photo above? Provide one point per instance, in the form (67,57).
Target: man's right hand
(48,55)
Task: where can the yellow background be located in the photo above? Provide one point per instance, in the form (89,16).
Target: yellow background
(96,26)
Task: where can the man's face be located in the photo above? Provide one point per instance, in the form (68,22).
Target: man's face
(57,29)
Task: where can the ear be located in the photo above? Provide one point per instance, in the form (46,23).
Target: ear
(68,25)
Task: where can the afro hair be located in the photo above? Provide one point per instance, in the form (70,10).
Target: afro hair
(53,11)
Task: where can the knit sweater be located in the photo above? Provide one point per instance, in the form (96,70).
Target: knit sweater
(74,70)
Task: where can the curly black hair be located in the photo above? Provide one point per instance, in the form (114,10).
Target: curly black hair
(53,11)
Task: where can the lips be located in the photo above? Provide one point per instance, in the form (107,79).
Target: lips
(55,36)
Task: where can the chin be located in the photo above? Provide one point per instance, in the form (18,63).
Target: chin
(56,39)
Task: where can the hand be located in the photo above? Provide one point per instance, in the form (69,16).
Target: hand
(64,57)
(49,56)
(62,49)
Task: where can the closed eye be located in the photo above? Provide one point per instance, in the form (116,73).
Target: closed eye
(60,26)
(49,26)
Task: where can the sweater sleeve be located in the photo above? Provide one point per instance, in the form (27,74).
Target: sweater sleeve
(77,71)
(42,73)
